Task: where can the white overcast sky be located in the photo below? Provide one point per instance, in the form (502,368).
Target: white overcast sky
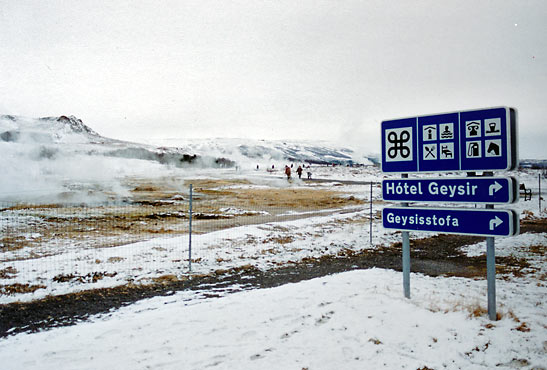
(329,70)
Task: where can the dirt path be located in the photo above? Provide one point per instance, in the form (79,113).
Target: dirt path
(438,255)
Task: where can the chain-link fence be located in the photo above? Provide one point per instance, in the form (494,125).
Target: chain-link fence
(59,248)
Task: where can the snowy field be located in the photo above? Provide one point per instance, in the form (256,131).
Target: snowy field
(63,266)
(353,320)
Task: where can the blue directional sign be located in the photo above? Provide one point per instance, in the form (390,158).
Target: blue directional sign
(483,222)
(491,190)
(460,141)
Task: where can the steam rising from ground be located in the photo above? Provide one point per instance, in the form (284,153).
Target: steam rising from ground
(60,159)
(68,177)
(48,160)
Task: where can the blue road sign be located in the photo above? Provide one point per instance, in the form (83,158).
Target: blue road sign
(460,141)
(491,190)
(483,222)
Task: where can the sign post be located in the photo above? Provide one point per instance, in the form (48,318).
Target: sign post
(406,257)
(491,274)
(468,141)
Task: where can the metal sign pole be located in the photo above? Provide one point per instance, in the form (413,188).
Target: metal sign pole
(370,231)
(190,232)
(406,263)
(406,256)
(491,268)
(491,277)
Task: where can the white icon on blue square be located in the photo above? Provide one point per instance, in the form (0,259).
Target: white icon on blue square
(473,149)
(430,152)
(446,151)
(446,131)
(398,144)
(429,132)
(473,128)
(492,148)
(492,127)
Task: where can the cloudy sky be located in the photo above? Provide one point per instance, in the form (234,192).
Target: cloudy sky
(330,70)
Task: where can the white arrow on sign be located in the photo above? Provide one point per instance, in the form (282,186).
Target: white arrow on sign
(495,222)
(494,188)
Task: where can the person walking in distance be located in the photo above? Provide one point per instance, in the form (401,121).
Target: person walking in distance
(299,172)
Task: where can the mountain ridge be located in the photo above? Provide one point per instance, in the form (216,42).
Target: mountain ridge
(50,132)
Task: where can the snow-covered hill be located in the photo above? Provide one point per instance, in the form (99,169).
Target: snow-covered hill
(44,156)
(56,131)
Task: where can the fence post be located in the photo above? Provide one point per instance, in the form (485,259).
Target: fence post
(539,192)
(190,232)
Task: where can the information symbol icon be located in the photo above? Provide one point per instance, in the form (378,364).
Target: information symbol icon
(399,144)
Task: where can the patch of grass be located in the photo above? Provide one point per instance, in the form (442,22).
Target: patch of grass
(19,207)
(538,249)
(523,327)
(115,259)
(513,265)
(166,279)
(92,277)
(19,288)
(279,240)
(8,273)
(476,310)
(13,243)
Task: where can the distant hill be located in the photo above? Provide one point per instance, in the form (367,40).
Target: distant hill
(61,159)
(67,134)
(533,163)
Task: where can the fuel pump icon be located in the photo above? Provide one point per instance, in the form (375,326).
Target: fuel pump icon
(473,149)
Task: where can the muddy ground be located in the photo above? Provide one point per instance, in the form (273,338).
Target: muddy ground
(434,256)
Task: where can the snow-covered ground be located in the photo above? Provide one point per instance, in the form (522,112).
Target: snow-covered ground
(265,245)
(353,320)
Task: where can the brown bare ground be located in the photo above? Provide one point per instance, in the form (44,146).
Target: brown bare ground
(161,207)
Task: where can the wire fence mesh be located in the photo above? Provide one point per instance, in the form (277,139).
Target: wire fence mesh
(58,248)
